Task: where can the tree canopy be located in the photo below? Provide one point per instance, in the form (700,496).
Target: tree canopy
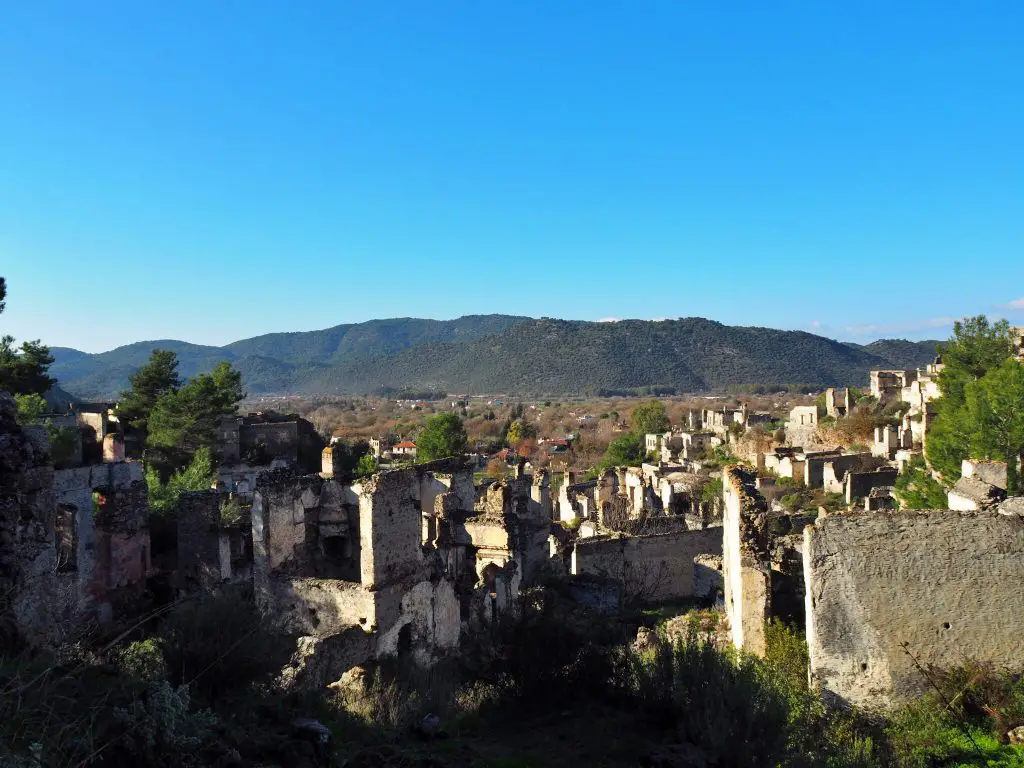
(981,411)
(443,435)
(650,418)
(624,451)
(197,476)
(184,420)
(520,430)
(24,370)
(149,383)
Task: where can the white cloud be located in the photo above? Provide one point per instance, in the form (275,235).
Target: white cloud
(815,324)
(881,329)
(1015,304)
(609,319)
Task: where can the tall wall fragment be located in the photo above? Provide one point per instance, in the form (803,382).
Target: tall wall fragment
(746,560)
(941,585)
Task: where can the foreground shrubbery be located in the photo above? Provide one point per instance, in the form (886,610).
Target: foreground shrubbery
(551,687)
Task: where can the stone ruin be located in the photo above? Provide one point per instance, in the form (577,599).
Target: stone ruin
(74,543)
(885,593)
(391,565)
(643,532)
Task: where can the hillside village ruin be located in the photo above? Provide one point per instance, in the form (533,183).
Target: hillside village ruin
(412,560)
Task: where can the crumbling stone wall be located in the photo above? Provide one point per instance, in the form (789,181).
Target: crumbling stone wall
(858,485)
(658,567)
(331,559)
(746,559)
(829,471)
(71,541)
(211,552)
(943,585)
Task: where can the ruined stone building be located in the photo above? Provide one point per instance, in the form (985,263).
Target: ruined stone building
(74,542)
(802,427)
(871,586)
(981,486)
(392,564)
(213,548)
(262,437)
(838,402)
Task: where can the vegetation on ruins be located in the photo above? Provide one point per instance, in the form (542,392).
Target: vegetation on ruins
(31,407)
(199,475)
(495,353)
(366,465)
(915,487)
(981,411)
(443,436)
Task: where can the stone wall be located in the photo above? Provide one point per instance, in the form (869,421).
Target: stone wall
(859,485)
(944,584)
(211,553)
(363,571)
(746,559)
(658,567)
(72,542)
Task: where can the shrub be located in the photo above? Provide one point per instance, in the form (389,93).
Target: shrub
(144,660)
(544,659)
(159,728)
(231,512)
(220,644)
(723,703)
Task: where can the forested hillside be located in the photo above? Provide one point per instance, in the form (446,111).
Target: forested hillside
(501,353)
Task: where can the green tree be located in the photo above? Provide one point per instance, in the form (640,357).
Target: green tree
(520,430)
(650,418)
(149,383)
(3,295)
(30,408)
(184,420)
(625,450)
(917,489)
(23,371)
(366,465)
(977,348)
(199,475)
(995,409)
(443,435)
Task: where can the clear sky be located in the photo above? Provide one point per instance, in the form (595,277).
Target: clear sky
(212,170)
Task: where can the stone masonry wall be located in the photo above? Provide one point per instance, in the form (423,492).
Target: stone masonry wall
(946,584)
(746,560)
(199,556)
(658,567)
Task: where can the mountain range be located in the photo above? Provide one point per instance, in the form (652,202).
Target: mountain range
(511,354)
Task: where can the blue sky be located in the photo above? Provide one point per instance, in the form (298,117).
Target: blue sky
(215,170)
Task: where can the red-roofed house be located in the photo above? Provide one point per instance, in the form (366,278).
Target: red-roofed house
(404,448)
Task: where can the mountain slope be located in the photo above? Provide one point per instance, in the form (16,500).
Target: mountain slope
(558,357)
(369,339)
(500,353)
(271,362)
(902,353)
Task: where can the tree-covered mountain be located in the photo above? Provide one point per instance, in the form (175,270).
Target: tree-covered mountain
(501,353)
(371,339)
(901,352)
